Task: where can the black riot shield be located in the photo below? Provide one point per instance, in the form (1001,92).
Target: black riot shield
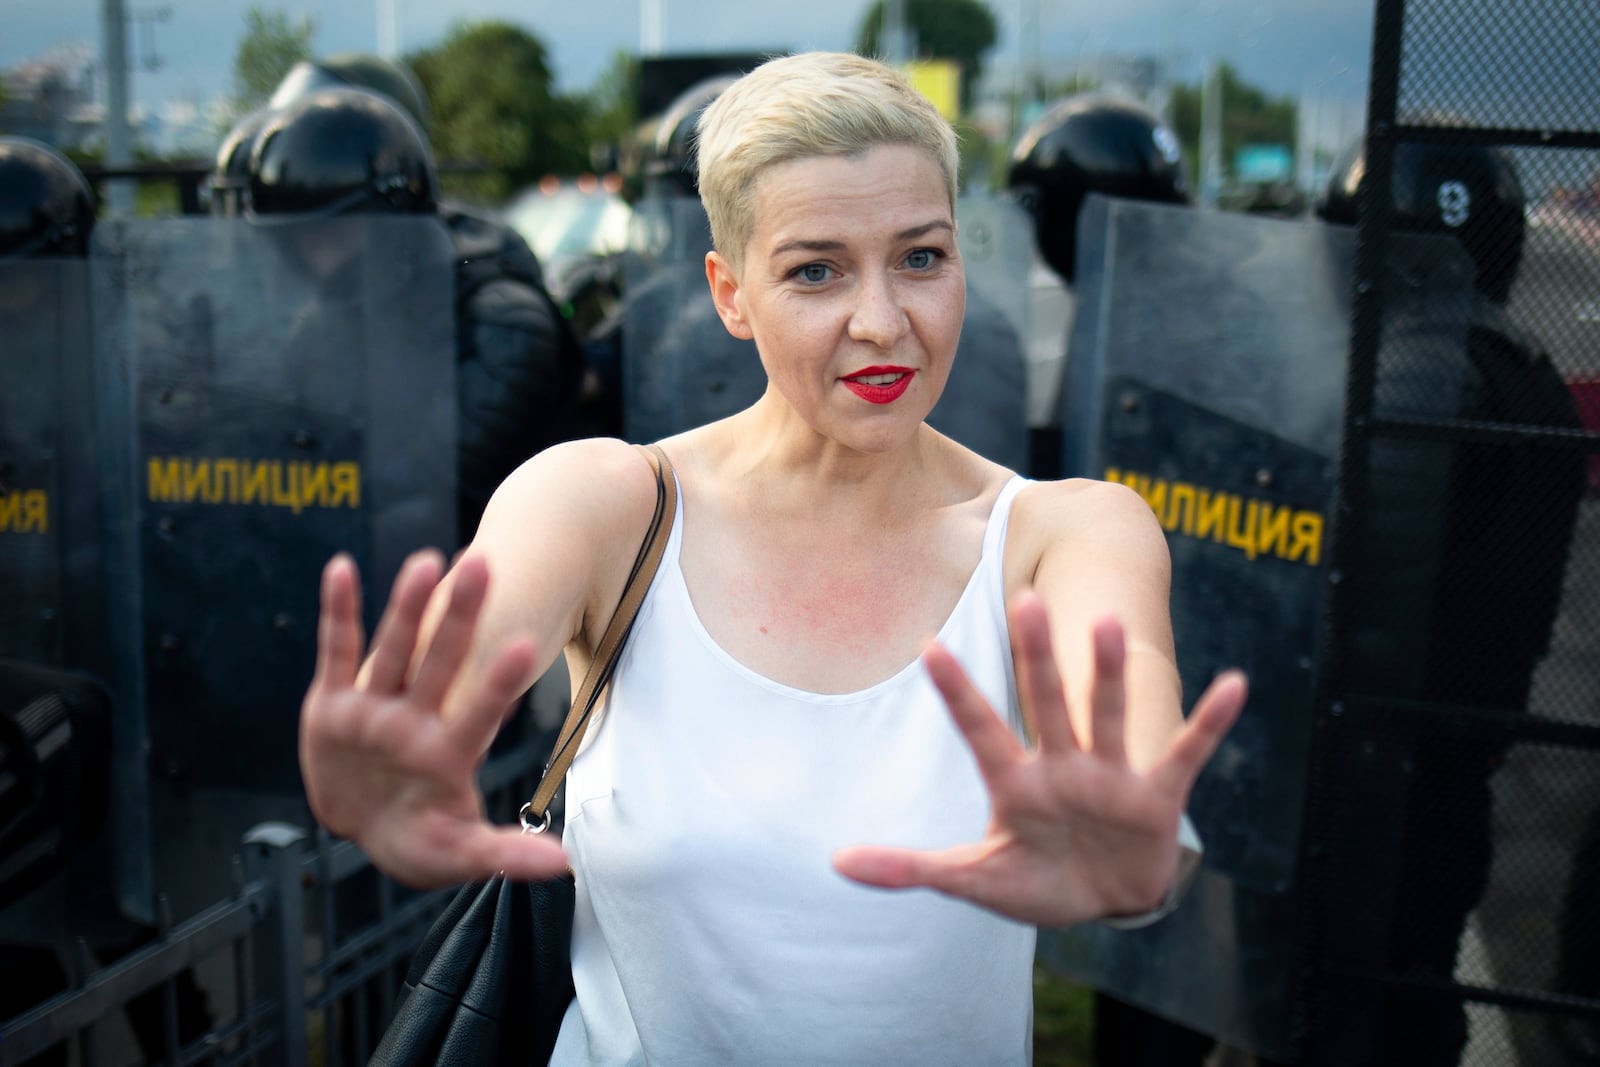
(49,543)
(1207,372)
(270,396)
(681,367)
(53,613)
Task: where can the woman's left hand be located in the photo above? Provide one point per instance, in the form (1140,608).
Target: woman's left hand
(1076,833)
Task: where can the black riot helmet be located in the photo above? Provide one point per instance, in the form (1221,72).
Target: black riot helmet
(46,204)
(672,167)
(1085,144)
(230,174)
(341,152)
(1470,192)
(356,70)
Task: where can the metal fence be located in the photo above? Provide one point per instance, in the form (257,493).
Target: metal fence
(1450,879)
(300,965)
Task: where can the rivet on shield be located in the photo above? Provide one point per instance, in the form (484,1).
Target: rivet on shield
(1263,477)
(1128,401)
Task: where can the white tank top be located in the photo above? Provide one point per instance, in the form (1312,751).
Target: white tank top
(702,816)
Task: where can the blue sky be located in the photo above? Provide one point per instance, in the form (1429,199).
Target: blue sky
(1288,46)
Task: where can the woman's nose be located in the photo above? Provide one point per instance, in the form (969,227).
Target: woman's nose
(878,318)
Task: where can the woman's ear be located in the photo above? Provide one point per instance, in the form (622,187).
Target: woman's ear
(725,294)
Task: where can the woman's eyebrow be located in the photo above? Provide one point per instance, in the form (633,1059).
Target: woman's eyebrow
(802,245)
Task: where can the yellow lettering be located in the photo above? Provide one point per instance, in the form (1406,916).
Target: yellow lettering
(255,477)
(1242,538)
(1306,537)
(197,481)
(1273,533)
(35,511)
(226,474)
(313,484)
(165,481)
(1213,515)
(1156,497)
(283,488)
(11,512)
(346,485)
(1180,512)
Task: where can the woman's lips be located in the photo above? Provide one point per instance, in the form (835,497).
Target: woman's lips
(879,385)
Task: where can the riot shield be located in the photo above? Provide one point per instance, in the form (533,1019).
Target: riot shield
(1207,372)
(270,395)
(49,544)
(53,614)
(984,405)
(681,367)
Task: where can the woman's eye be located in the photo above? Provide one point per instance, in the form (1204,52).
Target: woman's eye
(922,259)
(815,273)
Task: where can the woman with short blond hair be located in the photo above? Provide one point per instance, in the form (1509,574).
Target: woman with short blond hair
(871,659)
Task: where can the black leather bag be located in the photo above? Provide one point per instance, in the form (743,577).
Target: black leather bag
(492,979)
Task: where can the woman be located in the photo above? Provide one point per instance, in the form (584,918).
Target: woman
(772,754)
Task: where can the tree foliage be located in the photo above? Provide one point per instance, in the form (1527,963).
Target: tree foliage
(612,108)
(270,46)
(491,90)
(1249,116)
(961,30)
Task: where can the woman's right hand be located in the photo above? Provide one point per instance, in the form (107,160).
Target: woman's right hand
(383,764)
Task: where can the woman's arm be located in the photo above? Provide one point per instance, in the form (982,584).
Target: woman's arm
(1084,823)
(390,747)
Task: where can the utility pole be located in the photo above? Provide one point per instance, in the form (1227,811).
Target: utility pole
(895,37)
(1211,170)
(388,30)
(652,27)
(119,193)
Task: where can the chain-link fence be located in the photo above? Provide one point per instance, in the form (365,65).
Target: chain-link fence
(1451,868)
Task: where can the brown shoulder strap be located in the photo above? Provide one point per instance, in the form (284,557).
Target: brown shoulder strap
(605,657)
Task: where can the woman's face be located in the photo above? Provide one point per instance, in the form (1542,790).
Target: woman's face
(853,290)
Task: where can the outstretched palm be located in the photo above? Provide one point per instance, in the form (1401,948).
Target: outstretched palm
(1076,833)
(382,763)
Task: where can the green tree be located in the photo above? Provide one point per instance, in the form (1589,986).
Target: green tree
(493,104)
(962,30)
(613,102)
(270,46)
(1249,116)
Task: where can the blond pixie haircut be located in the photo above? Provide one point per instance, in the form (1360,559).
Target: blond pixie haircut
(810,104)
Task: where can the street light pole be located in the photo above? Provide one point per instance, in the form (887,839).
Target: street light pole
(388,30)
(114,61)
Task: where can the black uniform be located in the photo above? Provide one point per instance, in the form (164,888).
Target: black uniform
(519,370)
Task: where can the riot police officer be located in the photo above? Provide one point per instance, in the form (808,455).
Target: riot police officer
(1087,143)
(520,372)
(46,204)
(54,714)
(1510,509)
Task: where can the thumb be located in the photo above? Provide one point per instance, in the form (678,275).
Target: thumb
(523,857)
(903,868)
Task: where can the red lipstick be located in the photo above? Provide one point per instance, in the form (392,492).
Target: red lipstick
(884,393)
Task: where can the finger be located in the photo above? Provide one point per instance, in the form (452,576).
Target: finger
(523,857)
(1108,692)
(1038,679)
(949,870)
(1214,715)
(339,633)
(991,740)
(396,640)
(453,638)
(485,711)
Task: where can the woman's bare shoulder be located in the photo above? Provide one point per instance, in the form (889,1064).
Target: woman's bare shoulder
(596,483)
(1084,510)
